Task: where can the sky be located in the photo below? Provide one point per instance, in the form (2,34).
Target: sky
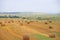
(47,6)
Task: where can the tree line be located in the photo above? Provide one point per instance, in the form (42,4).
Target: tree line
(9,16)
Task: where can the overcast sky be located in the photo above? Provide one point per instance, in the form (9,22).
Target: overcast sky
(48,6)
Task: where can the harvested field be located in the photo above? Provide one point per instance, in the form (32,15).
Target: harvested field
(20,29)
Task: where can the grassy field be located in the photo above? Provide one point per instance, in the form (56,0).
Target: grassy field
(16,28)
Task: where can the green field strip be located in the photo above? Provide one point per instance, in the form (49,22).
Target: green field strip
(42,37)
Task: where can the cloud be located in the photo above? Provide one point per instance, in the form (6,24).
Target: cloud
(49,6)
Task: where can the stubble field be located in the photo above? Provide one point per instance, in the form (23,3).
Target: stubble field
(20,29)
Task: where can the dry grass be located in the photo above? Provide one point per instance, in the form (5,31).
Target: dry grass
(14,29)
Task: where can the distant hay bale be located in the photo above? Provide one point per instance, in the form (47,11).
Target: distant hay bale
(5,22)
(31,21)
(21,21)
(25,37)
(46,23)
(21,24)
(50,21)
(52,35)
(2,24)
(50,27)
(28,22)
(36,21)
(18,21)
(8,21)
(12,21)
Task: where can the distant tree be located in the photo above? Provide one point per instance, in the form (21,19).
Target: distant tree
(23,17)
(13,16)
(38,18)
(5,16)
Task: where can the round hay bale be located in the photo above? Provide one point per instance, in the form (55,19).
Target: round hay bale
(31,21)
(2,24)
(36,21)
(5,22)
(52,35)
(25,37)
(18,21)
(28,22)
(21,24)
(46,23)
(12,21)
(8,21)
(50,21)
(50,27)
